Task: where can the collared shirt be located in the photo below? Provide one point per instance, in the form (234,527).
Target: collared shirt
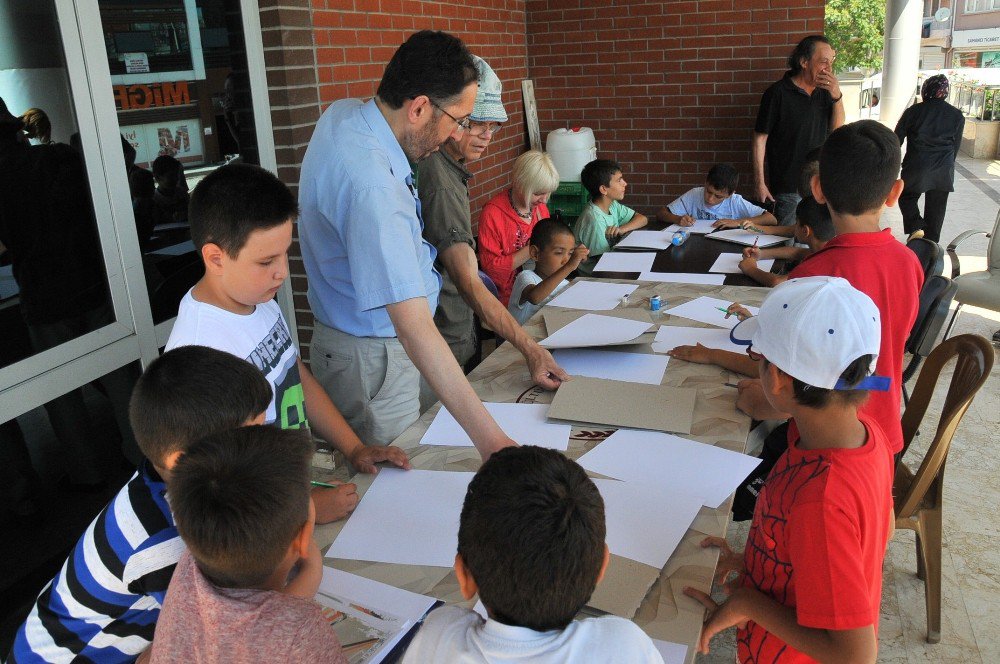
(795,123)
(444,201)
(359,226)
(733,207)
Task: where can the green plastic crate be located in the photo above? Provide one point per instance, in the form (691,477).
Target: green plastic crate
(570,199)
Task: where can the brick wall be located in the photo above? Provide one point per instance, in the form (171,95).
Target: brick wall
(668,87)
(343,55)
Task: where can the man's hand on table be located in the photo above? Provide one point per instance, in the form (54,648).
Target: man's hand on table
(751,400)
(545,372)
(364,457)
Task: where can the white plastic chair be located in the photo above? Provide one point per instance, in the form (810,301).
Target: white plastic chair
(978,289)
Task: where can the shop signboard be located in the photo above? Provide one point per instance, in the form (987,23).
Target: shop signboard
(178,138)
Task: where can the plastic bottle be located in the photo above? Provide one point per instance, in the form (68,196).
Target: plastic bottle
(679,238)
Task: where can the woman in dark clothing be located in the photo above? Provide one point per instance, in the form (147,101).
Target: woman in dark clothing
(933,132)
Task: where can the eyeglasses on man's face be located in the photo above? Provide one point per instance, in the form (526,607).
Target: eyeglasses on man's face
(463,124)
(483,128)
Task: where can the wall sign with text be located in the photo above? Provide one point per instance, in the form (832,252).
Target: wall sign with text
(151,95)
(177,138)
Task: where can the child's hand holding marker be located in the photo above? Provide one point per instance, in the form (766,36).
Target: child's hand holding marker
(736,309)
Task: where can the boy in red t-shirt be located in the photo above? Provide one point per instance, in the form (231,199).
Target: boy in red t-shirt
(812,570)
(858,177)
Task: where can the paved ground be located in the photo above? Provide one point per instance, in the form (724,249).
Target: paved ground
(971,556)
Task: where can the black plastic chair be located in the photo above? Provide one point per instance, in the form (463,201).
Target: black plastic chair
(930,255)
(935,300)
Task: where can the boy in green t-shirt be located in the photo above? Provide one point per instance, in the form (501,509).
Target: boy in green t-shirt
(605,219)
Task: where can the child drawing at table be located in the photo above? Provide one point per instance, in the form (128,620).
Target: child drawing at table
(556,254)
(103,606)
(604,220)
(811,575)
(813,228)
(717,200)
(243,591)
(241,222)
(531,544)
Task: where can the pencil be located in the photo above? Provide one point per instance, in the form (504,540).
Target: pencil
(325,484)
(755,242)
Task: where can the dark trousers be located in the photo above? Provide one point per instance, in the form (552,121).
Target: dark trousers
(935,204)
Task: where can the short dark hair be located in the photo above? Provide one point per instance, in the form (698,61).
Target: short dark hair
(804,51)
(723,177)
(546,229)
(810,167)
(431,63)
(597,174)
(166,165)
(189,392)
(816,216)
(858,166)
(532,536)
(239,498)
(811,396)
(234,201)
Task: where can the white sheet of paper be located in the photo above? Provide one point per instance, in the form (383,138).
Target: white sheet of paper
(730,264)
(699,470)
(524,422)
(684,278)
(672,653)
(631,533)
(592,295)
(646,240)
(629,367)
(625,261)
(707,310)
(595,330)
(740,236)
(700,227)
(407,517)
(375,595)
(669,337)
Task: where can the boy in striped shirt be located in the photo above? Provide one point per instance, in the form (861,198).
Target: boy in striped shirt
(103,604)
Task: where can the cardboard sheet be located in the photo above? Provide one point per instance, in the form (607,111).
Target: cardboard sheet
(525,423)
(409,517)
(629,367)
(595,330)
(709,310)
(700,227)
(625,261)
(695,469)
(614,402)
(645,240)
(740,236)
(730,264)
(684,278)
(592,295)
(669,337)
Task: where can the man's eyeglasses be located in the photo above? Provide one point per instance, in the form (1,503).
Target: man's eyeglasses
(463,124)
(483,128)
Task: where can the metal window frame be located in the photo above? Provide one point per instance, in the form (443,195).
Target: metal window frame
(44,376)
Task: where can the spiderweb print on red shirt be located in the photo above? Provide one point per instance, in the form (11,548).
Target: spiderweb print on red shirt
(766,558)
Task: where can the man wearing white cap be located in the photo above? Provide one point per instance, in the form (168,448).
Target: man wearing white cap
(811,578)
(444,198)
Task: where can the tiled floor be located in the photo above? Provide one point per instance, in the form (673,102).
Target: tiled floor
(970,632)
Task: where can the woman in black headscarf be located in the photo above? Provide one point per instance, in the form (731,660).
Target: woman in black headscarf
(933,132)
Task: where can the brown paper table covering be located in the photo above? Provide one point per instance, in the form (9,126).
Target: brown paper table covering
(653,598)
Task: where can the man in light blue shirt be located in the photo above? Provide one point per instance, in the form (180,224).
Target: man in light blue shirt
(372,284)
(718,201)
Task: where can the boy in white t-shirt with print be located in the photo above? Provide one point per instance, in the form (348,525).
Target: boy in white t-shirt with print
(716,200)
(531,544)
(554,250)
(241,222)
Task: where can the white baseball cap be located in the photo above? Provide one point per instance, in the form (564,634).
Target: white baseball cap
(813,329)
(488,107)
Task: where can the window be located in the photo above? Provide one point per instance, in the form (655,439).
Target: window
(974,6)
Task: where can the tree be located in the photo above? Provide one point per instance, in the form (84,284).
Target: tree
(856,30)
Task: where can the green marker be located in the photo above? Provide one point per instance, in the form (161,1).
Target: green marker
(325,484)
(725,311)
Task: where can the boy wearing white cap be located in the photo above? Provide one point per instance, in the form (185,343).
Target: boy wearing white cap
(811,575)
(442,186)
